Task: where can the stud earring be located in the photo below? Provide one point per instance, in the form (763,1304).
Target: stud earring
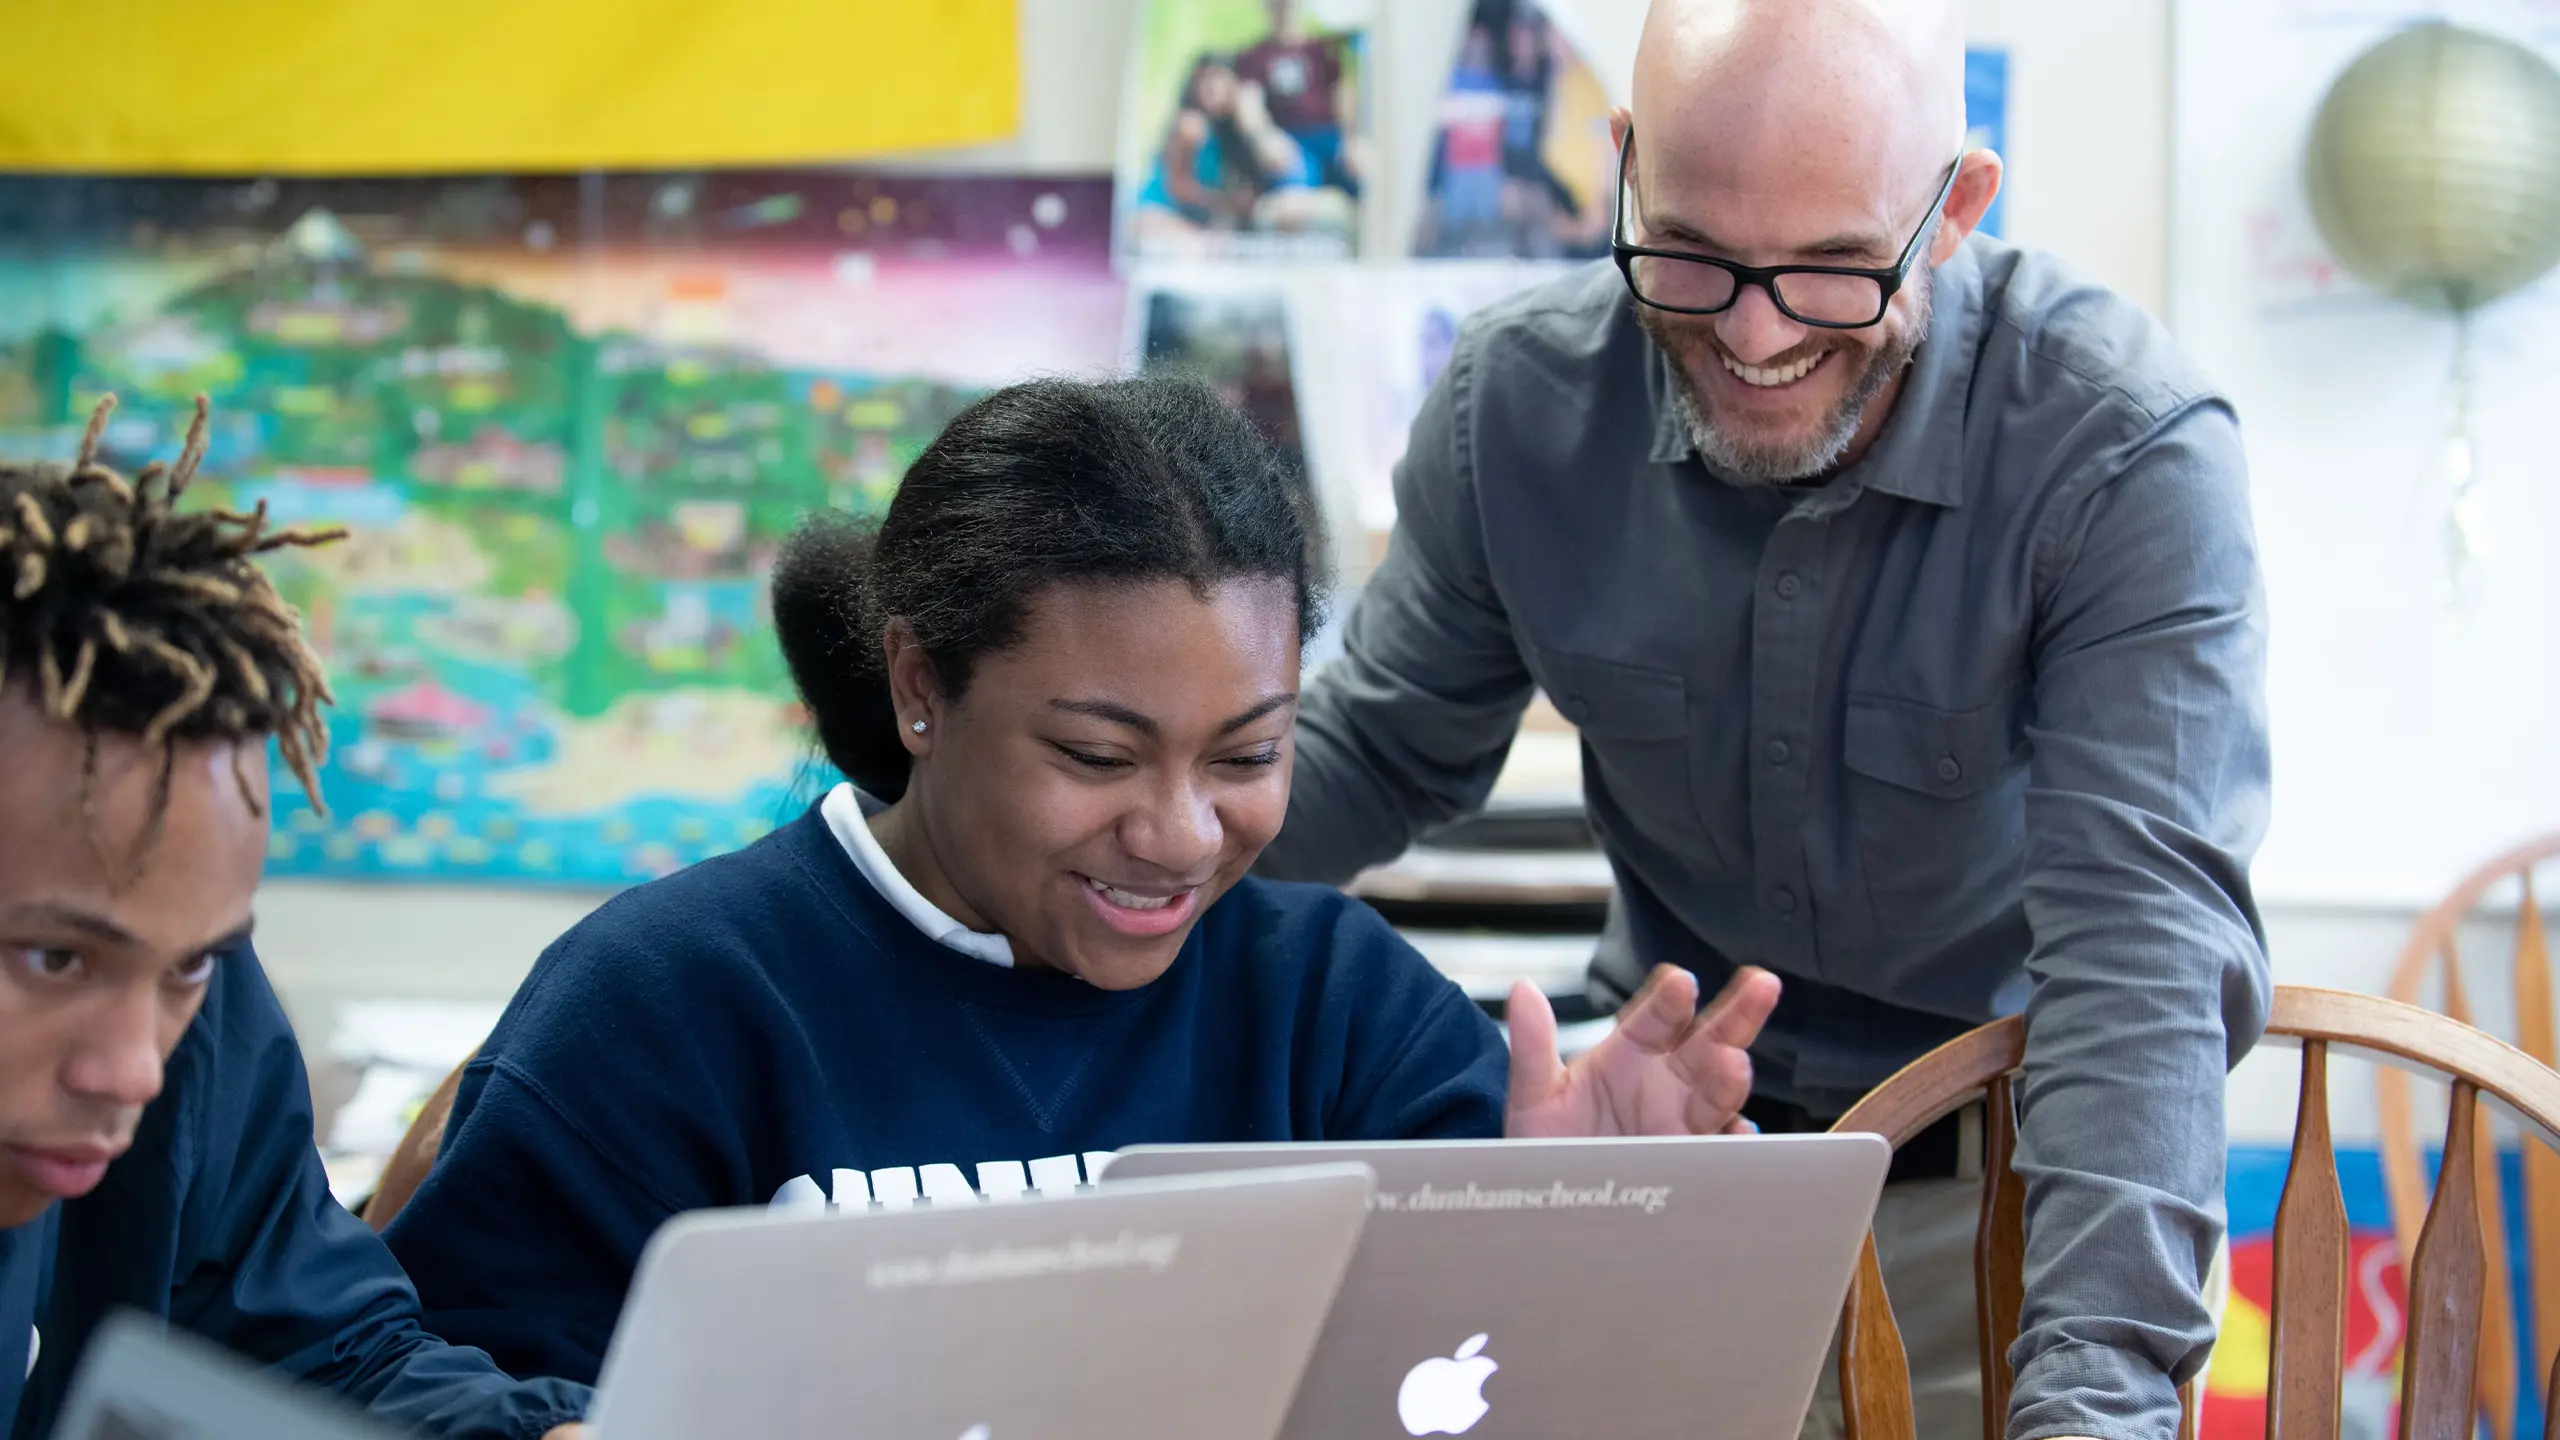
(917,727)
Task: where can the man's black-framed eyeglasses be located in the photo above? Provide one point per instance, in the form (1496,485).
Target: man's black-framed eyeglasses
(1827,297)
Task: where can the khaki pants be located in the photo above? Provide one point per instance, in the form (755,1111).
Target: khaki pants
(1924,1241)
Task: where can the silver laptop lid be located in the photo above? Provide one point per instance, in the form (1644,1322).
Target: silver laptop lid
(1520,1290)
(1164,1311)
(140,1380)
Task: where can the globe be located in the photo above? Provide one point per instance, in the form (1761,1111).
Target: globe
(2434,166)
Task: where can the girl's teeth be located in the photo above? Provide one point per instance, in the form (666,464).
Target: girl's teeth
(1127,901)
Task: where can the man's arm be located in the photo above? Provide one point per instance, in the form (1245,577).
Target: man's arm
(276,1270)
(1410,725)
(2147,795)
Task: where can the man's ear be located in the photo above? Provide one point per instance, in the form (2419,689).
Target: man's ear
(1977,185)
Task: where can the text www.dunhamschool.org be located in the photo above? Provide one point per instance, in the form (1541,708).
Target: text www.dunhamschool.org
(1610,1195)
(1125,1251)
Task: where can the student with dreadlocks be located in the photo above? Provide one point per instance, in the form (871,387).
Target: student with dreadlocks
(155,1122)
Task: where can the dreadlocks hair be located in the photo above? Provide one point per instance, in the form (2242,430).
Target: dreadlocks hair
(126,617)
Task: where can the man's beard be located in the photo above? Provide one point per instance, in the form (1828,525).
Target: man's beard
(1742,462)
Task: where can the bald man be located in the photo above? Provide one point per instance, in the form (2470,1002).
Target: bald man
(1901,585)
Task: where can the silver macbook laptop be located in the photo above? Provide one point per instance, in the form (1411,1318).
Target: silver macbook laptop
(1521,1290)
(140,1380)
(1162,1311)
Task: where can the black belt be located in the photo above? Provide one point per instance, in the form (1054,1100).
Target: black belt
(1936,1153)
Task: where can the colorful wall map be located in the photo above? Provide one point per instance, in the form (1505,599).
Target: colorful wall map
(570,420)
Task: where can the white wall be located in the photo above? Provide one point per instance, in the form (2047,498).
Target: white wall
(2089,180)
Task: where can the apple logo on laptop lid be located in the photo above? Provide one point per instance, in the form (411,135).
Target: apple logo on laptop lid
(1445,1396)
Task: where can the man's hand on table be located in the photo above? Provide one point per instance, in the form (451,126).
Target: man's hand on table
(1668,1068)
(565,1432)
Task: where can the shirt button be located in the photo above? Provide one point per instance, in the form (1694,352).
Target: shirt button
(1788,585)
(1785,900)
(1778,752)
(1576,709)
(1949,770)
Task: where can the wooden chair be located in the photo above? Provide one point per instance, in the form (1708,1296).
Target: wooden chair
(2307,1320)
(2432,945)
(414,1156)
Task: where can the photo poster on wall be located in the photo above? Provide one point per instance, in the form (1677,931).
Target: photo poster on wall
(1406,320)
(569,420)
(1245,131)
(1331,363)
(1986,120)
(1233,333)
(1521,163)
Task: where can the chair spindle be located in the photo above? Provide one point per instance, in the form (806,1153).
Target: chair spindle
(1875,1371)
(2440,1376)
(2496,1394)
(1999,1255)
(2541,1166)
(2494,1391)
(2308,1316)
(2551,1405)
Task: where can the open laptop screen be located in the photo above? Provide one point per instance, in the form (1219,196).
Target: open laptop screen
(142,1381)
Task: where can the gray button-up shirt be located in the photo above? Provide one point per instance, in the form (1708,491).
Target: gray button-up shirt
(1977,726)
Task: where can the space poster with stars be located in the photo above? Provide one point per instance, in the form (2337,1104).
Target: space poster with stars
(569,421)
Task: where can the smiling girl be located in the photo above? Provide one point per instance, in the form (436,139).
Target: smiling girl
(1061,678)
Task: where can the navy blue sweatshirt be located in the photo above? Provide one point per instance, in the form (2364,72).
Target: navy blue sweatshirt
(767,1028)
(219,1219)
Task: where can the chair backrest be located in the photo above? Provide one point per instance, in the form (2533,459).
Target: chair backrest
(415,1155)
(2308,1317)
(2433,946)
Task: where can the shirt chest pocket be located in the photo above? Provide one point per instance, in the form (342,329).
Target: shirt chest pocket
(1938,801)
(1639,742)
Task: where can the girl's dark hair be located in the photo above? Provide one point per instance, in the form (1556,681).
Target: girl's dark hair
(1055,480)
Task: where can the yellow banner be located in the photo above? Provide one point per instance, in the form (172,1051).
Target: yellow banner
(410,86)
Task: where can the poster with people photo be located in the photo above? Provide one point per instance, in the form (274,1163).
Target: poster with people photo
(1521,163)
(1986,120)
(1244,135)
(1406,329)
(1235,337)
